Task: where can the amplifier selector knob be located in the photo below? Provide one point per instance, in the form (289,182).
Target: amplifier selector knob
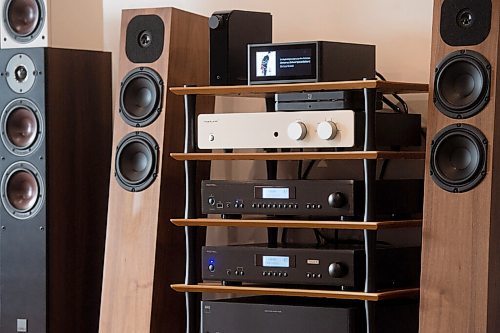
(337,200)
(327,130)
(297,131)
(337,270)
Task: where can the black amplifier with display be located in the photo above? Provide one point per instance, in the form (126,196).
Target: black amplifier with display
(265,314)
(328,198)
(316,61)
(342,265)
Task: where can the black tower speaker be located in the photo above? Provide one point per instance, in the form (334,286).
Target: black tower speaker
(230,33)
(54,168)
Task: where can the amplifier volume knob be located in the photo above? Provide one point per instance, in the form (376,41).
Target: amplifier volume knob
(297,131)
(327,130)
(337,200)
(337,270)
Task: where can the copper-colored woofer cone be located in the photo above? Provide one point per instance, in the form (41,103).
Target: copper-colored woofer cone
(22,127)
(23,17)
(22,190)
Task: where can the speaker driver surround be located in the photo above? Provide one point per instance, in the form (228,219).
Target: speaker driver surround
(140,97)
(462,84)
(458,158)
(22,127)
(24,19)
(136,163)
(23,190)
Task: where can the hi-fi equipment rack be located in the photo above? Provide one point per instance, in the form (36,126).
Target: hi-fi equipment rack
(195,226)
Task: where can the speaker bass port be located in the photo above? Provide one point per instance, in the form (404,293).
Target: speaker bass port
(141,97)
(22,190)
(136,162)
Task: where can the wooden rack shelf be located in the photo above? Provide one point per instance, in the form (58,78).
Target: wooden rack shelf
(303,224)
(296,156)
(312,293)
(386,87)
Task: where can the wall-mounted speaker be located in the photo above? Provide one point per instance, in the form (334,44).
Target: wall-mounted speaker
(55,127)
(160,48)
(55,23)
(460,261)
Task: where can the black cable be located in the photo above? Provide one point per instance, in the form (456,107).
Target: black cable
(383,169)
(309,167)
(396,96)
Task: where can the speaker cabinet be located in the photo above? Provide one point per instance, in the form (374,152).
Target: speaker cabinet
(54,162)
(230,33)
(160,48)
(460,252)
(55,23)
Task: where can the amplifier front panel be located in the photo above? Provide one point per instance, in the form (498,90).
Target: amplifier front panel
(311,129)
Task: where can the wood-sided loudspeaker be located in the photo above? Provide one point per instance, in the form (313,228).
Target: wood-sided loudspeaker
(160,48)
(55,128)
(460,260)
(54,23)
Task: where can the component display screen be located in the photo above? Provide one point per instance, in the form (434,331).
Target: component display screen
(285,62)
(275,193)
(275,261)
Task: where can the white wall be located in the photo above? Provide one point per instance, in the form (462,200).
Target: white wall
(401,29)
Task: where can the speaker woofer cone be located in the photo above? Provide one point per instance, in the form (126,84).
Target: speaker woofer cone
(24,19)
(136,162)
(22,190)
(22,127)
(140,97)
(458,158)
(462,84)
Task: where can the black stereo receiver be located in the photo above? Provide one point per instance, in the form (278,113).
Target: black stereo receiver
(265,314)
(316,61)
(327,198)
(342,265)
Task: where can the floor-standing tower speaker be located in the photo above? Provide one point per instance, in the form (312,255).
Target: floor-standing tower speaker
(56,23)
(160,48)
(54,161)
(460,290)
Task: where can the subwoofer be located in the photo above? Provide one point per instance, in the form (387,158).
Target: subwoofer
(56,23)
(55,128)
(460,261)
(160,48)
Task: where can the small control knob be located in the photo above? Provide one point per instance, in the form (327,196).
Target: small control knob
(297,131)
(327,130)
(337,270)
(215,21)
(211,268)
(211,201)
(337,200)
